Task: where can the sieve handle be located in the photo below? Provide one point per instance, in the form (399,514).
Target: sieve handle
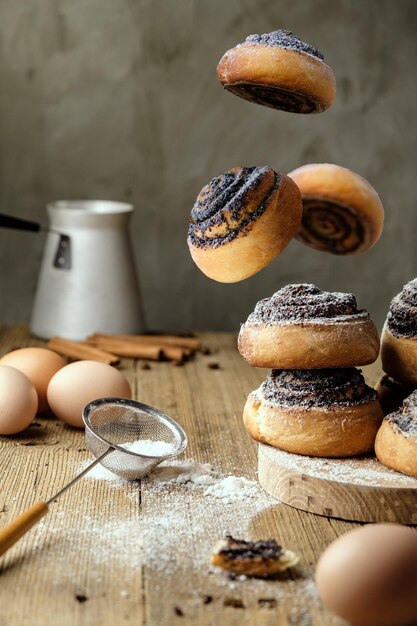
(20,526)
(24,522)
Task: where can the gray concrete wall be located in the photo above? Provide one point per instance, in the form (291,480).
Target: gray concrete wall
(119,99)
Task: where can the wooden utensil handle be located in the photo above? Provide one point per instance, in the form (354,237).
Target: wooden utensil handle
(19,526)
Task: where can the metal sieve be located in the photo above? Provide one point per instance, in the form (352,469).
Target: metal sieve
(113,427)
(112,422)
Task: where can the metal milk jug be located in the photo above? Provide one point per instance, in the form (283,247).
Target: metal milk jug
(87,281)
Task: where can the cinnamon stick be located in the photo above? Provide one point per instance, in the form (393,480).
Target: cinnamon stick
(134,350)
(182,342)
(176,353)
(81,351)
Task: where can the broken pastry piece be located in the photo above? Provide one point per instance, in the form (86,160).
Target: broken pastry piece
(253,558)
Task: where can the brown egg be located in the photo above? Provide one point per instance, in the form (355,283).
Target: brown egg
(39,365)
(369,576)
(77,384)
(18,401)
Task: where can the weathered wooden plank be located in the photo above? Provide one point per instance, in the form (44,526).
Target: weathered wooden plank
(139,553)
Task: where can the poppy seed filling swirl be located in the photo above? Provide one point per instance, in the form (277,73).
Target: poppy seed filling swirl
(317,388)
(229,203)
(402,315)
(330,225)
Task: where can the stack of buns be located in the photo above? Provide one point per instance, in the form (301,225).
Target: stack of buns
(396,442)
(314,402)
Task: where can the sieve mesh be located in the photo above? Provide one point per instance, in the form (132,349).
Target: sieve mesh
(115,422)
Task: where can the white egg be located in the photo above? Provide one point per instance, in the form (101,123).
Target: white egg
(77,384)
(39,365)
(369,576)
(18,401)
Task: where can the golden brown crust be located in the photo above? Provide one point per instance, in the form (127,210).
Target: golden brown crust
(342,213)
(395,450)
(309,345)
(399,356)
(338,432)
(258,242)
(248,68)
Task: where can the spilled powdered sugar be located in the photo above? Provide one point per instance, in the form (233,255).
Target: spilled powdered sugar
(194,502)
(164,525)
(195,476)
(233,488)
(226,488)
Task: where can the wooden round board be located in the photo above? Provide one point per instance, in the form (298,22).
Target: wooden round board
(356,489)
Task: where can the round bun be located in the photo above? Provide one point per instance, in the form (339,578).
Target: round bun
(342,212)
(396,441)
(241,221)
(392,393)
(280,71)
(327,413)
(302,327)
(399,336)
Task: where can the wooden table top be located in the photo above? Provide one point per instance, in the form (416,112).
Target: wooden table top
(113,552)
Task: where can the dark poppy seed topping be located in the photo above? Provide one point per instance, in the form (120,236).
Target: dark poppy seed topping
(240,549)
(300,303)
(405,419)
(317,388)
(284,39)
(229,203)
(402,314)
